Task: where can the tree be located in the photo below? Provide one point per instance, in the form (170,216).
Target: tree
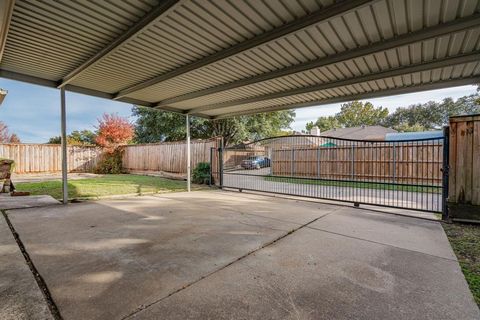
(55,140)
(352,114)
(155,125)
(6,136)
(477,101)
(78,138)
(432,115)
(324,123)
(417,117)
(84,137)
(113,131)
(4,133)
(14,138)
(356,113)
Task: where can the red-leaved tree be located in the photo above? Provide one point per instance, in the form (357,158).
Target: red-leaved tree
(113,131)
(6,136)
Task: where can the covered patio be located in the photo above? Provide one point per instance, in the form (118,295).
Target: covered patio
(220,59)
(218,254)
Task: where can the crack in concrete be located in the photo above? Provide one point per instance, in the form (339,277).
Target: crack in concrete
(38,278)
(143,307)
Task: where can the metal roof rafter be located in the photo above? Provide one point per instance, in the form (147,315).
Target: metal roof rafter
(137,28)
(464,58)
(94,93)
(367,95)
(294,26)
(409,38)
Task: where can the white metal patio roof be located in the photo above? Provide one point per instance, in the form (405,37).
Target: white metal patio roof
(218,58)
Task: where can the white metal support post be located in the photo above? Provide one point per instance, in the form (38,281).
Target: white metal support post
(188,152)
(63,118)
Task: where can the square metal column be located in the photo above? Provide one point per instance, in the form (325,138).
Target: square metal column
(63,119)
(187,117)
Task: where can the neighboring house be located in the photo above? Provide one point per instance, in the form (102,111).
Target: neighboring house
(414,135)
(359,133)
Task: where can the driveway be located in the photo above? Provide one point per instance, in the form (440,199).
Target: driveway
(255,180)
(225,255)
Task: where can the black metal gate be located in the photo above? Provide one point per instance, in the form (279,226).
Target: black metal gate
(408,174)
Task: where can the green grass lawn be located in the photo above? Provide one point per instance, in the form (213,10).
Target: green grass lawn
(465,241)
(363,185)
(108,185)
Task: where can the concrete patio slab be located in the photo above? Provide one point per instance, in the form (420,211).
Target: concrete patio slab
(316,275)
(103,260)
(20,296)
(8,202)
(214,254)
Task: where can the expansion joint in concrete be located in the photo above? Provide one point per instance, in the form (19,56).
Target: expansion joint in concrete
(143,307)
(38,278)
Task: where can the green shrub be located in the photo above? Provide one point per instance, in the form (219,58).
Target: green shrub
(111,163)
(201,173)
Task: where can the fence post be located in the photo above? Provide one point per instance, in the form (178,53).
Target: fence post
(445,169)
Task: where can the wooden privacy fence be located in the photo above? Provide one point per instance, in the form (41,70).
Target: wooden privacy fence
(416,163)
(464,164)
(47,158)
(169,156)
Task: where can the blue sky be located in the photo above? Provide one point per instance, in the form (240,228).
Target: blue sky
(33,112)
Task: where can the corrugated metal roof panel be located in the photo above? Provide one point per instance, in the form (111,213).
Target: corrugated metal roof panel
(333,36)
(193,30)
(196,45)
(351,68)
(53,37)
